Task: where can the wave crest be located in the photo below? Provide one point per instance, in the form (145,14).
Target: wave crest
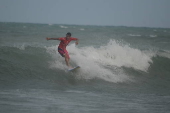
(105,62)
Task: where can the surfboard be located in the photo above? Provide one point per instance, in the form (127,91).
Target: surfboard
(74,68)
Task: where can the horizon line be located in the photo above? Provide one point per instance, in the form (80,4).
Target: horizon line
(84,24)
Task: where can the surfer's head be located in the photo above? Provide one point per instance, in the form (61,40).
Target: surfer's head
(68,34)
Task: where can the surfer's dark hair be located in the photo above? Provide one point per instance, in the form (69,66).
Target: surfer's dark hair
(68,34)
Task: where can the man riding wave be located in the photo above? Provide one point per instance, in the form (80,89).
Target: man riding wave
(64,41)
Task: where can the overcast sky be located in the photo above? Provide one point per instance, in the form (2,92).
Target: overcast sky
(145,13)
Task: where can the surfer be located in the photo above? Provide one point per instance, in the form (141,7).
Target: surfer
(64,41)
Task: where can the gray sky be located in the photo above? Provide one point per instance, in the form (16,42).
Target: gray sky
(145,13)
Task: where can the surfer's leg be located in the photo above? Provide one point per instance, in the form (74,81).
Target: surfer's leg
(64,53)
(67,59)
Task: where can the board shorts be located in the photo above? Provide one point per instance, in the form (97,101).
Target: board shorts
(63,53)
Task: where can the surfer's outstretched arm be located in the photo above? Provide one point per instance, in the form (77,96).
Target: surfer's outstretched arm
(52,38)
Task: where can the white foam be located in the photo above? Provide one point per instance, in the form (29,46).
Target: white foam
(105,62)
(21,47)
(164,53)
(82,29)
(63,26)
(134,35)
(153,35)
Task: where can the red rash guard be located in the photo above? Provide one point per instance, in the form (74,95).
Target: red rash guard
(64,42)
(62,46)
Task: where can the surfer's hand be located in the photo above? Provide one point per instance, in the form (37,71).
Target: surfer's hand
(76,43)
(47,38)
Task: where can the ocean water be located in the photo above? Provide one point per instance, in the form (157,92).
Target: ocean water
(123,69)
